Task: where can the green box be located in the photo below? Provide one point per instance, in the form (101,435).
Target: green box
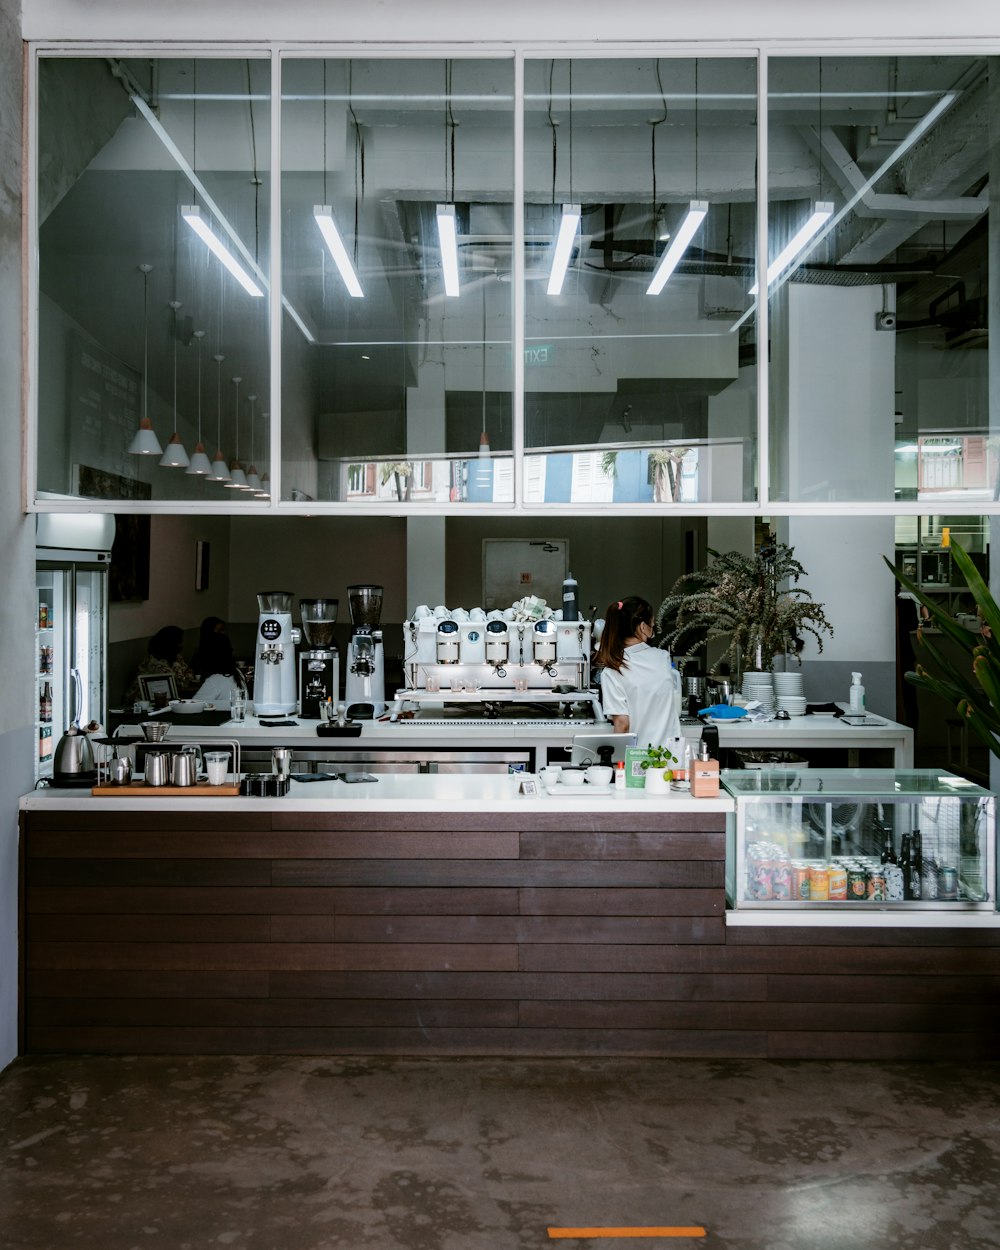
(635,774)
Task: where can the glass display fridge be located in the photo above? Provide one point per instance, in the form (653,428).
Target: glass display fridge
(72,560)
(860,840)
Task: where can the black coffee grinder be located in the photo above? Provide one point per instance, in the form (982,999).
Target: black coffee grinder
(319,659)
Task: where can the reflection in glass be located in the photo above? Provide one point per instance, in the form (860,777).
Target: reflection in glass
(163,172)
(878,322)
(396,185)
(640,365)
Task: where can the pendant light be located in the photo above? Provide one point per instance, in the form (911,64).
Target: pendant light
(145,442)
(484,438)
(220,470)
(200,465)
(253,477)
(174,456)
(237,478)
(697,209)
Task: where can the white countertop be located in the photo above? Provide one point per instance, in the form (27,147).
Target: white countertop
(400,792)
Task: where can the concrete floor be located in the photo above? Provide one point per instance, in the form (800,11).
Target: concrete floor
(408,1154)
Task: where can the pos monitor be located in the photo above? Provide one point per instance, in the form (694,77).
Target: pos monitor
(599,748)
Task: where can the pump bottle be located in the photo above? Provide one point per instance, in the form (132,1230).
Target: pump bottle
(857,699)
(704,774)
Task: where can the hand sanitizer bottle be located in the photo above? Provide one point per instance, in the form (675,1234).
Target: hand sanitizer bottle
(857,701)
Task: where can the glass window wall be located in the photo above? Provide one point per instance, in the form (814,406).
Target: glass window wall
(877,280)
(397,183)
(153,360)
(640,369)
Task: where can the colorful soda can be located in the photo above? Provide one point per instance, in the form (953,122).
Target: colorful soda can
(947,883)
(781,879)
(837,883)
(759,880)
(800,880)
(857,884)
(893,883)
(819,882)
(876,885)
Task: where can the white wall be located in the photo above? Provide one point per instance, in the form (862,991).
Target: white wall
(17,600)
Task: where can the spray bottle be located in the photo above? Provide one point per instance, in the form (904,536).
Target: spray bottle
(857,699)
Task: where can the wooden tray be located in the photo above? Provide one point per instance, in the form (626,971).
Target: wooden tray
(139,790)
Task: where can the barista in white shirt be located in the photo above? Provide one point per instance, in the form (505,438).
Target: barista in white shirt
(639,687)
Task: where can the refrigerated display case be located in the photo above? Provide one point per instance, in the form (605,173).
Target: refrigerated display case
(71,627)
(824,839)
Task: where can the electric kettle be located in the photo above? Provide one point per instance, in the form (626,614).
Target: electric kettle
(73,762)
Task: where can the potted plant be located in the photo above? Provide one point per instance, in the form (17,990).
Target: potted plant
(751,600)
(658,767)
(972,684)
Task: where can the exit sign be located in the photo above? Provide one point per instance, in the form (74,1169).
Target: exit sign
(540,354)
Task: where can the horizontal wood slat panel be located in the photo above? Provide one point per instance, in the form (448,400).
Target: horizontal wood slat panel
(628,843)
(414,929)
(198,818)
(252,956)
(94,983)
(297,901)
(922,1046)
(328,872)
(131,928)
(813,937)
(154,872)
(188,843)
(884,989)
(584,901)
(73,1040)
(273,1013)
(516,985)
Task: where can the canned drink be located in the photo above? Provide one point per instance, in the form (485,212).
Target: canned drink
(857,884)
(947,883)
(876,885)
(893,883)
(781,879)
(800,881)
(759,882)
(819,882)
(837,883)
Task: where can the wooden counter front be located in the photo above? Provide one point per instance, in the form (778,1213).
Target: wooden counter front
(240,928)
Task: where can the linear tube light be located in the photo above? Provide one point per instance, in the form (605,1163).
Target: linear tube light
(192,215)
(331,237)
(563,249)
(821,214)
(448,241)
(671,258)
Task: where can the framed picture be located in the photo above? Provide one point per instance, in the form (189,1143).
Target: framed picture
(158,688)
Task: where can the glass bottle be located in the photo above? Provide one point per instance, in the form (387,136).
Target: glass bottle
(888,851)
(906,865)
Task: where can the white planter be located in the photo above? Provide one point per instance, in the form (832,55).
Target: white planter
(658,780)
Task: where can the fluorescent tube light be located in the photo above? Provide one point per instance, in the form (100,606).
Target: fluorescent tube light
(331,236)
(448,241)
(192,215)
(563,248)
(671,258)
(822,212)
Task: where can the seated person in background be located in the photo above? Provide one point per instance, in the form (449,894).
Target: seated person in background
(211,626)
(163,659)
(218,671)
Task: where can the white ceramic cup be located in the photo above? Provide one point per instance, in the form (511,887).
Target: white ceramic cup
(599,775)
(550,776)
(217,766)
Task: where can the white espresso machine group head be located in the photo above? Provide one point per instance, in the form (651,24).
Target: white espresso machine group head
(364,682)
(274,682)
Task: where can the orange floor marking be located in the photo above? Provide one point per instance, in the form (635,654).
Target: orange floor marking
(675,1231)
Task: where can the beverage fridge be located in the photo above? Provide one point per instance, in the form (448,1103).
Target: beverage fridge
(72,560)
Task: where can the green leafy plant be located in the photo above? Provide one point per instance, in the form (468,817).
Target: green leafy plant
(972,683)
(658,757)
(751,600)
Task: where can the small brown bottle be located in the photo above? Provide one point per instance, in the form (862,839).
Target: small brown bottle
(704,773)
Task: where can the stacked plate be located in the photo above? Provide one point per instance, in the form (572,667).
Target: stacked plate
(759,687)
(789,694)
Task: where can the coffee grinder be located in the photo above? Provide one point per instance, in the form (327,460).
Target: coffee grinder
(274,691)
(365,680)
(319,660)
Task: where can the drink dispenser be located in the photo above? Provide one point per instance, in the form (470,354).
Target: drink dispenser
(497,642)
(447,642)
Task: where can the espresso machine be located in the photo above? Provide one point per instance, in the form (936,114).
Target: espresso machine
(319,659)
(274,691)
(365,679)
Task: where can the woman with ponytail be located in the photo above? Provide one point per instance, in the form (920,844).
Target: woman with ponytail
(639,689)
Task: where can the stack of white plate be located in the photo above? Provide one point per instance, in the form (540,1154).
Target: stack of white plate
(759,687)
(789,694)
